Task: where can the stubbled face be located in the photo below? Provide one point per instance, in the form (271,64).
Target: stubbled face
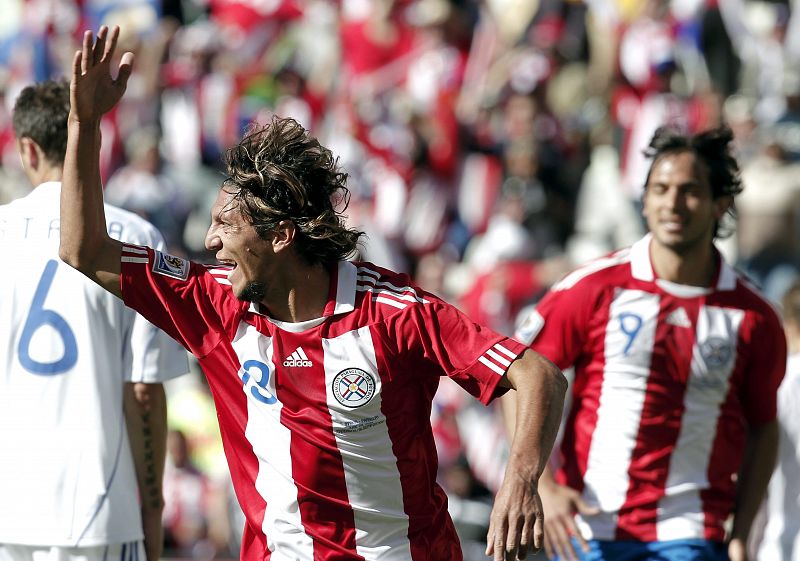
(237,243)
(678,203)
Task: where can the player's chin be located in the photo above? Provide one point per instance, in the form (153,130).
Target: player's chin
(253,291)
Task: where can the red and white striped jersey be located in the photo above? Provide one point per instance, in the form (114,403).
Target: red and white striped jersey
(326,423)
(667,378)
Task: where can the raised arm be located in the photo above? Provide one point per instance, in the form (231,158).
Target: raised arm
(85,243)
(517,521)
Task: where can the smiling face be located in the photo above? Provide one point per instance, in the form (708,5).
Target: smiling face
(678,205)
(237,243)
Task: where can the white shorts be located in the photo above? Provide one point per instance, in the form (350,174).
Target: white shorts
(130,551)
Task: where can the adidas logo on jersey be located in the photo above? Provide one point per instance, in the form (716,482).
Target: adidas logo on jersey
(298,358)
(679,318)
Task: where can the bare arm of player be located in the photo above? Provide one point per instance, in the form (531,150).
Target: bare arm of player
(146,419)
(560,502)
(517,521)
(759,462)
(85,243)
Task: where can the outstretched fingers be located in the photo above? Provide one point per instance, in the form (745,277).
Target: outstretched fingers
(98,51)
(77,65)
(125,69)
(86,51)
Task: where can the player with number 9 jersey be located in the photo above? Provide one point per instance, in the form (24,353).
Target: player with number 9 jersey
(666,376)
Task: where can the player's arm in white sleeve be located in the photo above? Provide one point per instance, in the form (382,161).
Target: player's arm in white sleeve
(146,420)
(540,389)
(85,243)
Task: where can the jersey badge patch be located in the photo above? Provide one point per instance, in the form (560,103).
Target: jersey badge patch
(718,355)
(530,328)
(171,266)
(353,387)
(717,352)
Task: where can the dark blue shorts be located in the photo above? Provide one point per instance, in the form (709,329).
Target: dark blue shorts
(671,550)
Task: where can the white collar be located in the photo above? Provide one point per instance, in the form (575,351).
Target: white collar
(642,269)
(344,275)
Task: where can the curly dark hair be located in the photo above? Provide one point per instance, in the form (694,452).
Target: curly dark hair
(714,148)
(280,172)
(40,113)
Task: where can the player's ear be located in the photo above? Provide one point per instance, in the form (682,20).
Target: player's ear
(28,153)
(721,206)
(283,235)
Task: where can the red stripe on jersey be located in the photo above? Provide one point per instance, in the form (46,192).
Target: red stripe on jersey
(659,426)
(228,396)
(413,441)
(582,420)
(317,467)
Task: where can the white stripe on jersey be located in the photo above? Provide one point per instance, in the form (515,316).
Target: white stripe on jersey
(680,512)
(592,267)
(502,360)
(402,292)
(133,249)
(491,366)
(505,351)
(272,441)
(370,466)
(139,254)
(366,271)
(389,301)
(494,361)
(220,275)
(629,340)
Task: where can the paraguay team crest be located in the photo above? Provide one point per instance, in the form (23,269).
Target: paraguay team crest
(717,352)
(353,387)
(171,266)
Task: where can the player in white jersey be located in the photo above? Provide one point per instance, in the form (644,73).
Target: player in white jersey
(322,370)
(672,429)
(79,477)
(781,538)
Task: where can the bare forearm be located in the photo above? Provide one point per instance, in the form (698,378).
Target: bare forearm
(540,389)
(146,416)
(147,431)
(759,462)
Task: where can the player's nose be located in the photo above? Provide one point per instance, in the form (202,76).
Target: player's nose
(212,241)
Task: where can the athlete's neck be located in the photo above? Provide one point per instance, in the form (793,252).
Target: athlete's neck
(301,295)
(693,266)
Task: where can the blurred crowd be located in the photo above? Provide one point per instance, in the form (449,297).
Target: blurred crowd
(491,145)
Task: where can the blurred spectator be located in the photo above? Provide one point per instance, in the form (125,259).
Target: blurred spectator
(187,501)
(769,220)
(605,218)
(142,187)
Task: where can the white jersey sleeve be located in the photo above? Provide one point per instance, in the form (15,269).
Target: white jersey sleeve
(153,356)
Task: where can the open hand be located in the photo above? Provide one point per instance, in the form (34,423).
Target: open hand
(562,503)
(517,522)
(93,91)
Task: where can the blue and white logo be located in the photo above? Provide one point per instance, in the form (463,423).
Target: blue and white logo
(353,387)
(171,266)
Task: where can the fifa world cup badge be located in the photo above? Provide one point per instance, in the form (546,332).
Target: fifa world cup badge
(171,266)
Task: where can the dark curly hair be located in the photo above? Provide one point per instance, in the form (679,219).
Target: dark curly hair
(280,172)
(714,148)
(40,113)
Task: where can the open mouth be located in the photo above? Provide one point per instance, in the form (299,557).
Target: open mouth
(228,263)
